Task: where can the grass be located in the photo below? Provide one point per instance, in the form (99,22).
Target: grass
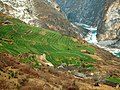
(22,38)
(114,80)
(27,60)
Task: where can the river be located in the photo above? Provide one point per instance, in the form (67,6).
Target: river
(91,38)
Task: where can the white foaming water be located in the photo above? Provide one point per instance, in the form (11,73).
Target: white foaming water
(90,28)
(91,38)
(49,0)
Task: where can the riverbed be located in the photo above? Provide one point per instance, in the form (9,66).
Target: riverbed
(91,38)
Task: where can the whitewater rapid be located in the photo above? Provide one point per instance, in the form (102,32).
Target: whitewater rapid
(91,38)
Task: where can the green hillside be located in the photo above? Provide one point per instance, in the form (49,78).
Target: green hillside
(18,38)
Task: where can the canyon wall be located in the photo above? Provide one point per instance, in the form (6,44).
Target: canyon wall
(109,27)
(83,11)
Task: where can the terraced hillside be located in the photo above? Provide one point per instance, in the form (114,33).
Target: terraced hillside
(26,50)
(17,38)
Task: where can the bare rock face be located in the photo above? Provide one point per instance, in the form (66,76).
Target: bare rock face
(55,5)
(41,13)
(83,11)
(109,28)
(21,9)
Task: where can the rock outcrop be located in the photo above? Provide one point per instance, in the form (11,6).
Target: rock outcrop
(83,11)
(109,28)
(43,13)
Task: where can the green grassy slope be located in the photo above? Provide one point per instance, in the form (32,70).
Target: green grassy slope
(18,38)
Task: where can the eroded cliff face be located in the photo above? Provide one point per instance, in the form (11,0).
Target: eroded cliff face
(109,28)
(43,13)
(83,11)
(21,9)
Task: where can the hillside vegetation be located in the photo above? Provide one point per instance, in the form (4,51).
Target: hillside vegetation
(18,38)
(26,52)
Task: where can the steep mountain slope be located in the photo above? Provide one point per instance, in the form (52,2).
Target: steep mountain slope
(109,28)
(27,52)
(39,13)
(83,11)
(35,58)
(18,38)
(17,76)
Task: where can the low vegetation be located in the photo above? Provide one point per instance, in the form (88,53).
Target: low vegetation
(22,46)
(18,38)
(114,80)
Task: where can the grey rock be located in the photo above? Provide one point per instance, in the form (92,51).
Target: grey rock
(83,11)
(109,27)
(79,74)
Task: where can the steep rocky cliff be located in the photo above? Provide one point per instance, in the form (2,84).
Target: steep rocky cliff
(43,13)
(109,28)
(83,11)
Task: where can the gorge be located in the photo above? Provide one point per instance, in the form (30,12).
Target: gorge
(103,14)
(59,45)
